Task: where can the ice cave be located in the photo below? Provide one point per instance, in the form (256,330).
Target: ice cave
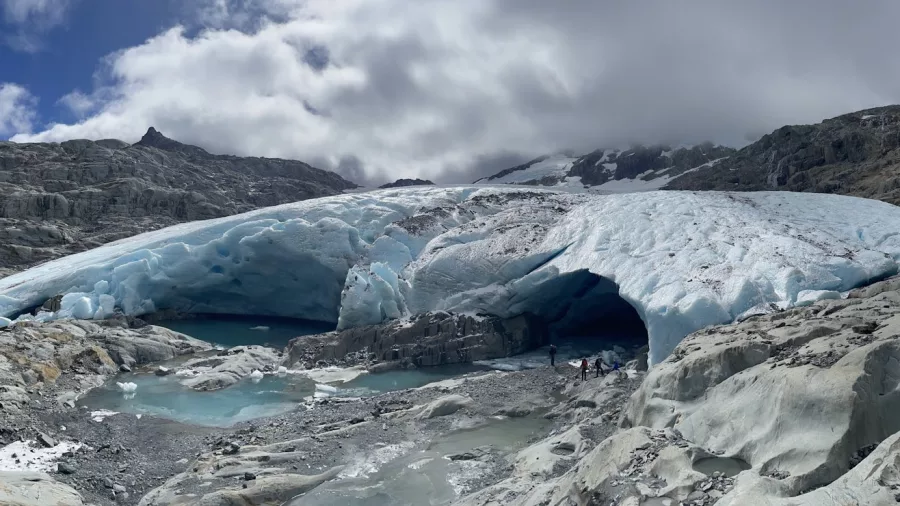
(664,263)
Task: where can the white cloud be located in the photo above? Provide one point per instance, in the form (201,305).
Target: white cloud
(429,87)
(16,109)
(79,103)
(30,19)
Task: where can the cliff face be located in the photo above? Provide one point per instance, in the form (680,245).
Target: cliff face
(854,154)
(57,199)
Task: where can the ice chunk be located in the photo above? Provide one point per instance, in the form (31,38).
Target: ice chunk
(127,387)
(28,456)
(256,375)
(809,297)
(5,322)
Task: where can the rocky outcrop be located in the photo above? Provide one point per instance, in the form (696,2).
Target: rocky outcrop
(58,199)
(854,154)
(36,356)
(229,366)
(427,339)
(790,408)
(648,162)
(638,163)
(35,489)
(407,182)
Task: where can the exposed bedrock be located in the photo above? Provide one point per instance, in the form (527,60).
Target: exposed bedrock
(800,391)
(795,408)
(32,353)
(428,339)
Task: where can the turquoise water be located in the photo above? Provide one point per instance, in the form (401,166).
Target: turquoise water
(418,476)
(165,397)
(229,330)
(391,381)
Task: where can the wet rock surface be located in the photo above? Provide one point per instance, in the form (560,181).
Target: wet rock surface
(719,422)
(429,339)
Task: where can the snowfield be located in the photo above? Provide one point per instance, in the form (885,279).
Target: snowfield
(684,260)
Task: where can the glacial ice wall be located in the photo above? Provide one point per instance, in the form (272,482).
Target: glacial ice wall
(684,260)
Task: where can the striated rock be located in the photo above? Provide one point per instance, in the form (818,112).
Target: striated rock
(790,408)
(32,353)
(272,489)
(59,199)
(35,489)
(853,154)
(428,339)
(444,406)
(800,391)
(230,366)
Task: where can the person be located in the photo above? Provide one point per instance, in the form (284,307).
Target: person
(552,355)
(584,368)
(598,365)
(616,367)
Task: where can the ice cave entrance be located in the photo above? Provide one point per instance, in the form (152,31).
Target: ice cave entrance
(586,318)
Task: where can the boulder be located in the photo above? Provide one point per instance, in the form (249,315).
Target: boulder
(444,406)
(35,489)
(230,366)
(799,391)
(428,339)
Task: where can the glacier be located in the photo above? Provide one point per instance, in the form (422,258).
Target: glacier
(683,260)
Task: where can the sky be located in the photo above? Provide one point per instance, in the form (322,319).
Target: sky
(449,90)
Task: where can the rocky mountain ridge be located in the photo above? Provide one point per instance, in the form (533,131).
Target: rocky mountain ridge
(653,165)
(407,182)
(853,154)
(60,198)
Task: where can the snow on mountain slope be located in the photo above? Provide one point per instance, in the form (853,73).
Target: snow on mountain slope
(638,168)
(552,167)
(684,260)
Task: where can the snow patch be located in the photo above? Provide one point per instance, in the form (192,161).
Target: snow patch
(31,457)
(553,166)
(100,415)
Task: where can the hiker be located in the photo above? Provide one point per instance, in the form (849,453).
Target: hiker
(598,365)
(552,355)
(584,369)
(616,368)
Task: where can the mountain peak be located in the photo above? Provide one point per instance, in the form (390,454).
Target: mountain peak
(154,139)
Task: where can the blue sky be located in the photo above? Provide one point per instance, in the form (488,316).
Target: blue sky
(68,54)
(448,90)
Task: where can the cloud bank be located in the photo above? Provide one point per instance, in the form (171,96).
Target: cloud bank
(447,90)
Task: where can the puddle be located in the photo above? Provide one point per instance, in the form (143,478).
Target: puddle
(165,397)
(391,381)
(728,466)
(406,476)
(232,330)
